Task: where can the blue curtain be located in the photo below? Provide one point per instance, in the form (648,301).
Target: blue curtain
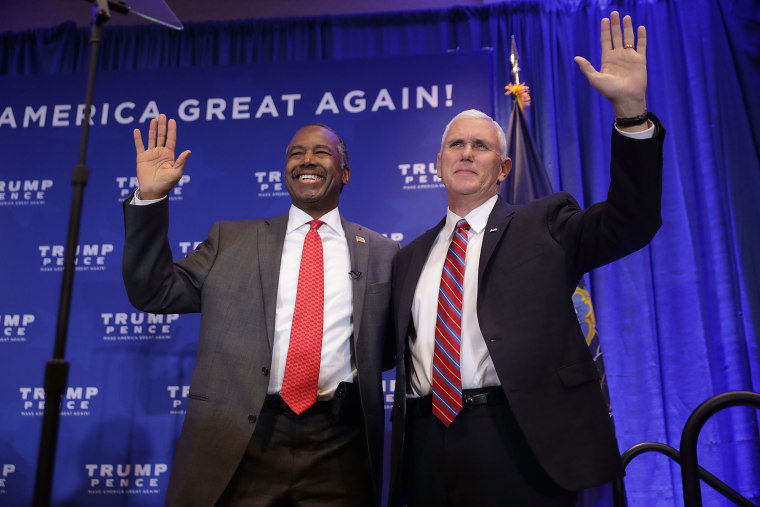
(678,319)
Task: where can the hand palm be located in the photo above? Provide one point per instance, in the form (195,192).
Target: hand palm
(157,170)
(622,74)
(622,77)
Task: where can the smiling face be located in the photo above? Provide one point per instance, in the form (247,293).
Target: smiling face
(470,164)
(314,175)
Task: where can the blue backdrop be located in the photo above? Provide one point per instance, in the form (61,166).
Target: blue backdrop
(678,320)
(130,371)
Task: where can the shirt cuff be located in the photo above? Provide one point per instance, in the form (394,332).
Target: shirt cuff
(644,134)
(143,202)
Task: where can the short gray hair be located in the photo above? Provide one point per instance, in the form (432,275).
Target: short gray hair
(479,115)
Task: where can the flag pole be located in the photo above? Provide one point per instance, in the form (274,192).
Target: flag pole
(514,61)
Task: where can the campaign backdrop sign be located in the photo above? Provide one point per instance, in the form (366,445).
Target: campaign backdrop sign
(130,370)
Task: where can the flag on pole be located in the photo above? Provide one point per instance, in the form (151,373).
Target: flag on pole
(527,181)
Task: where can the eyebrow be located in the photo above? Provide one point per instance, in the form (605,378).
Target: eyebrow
(301,147)
(475,140)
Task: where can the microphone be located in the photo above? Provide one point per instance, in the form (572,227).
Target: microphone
(354,275)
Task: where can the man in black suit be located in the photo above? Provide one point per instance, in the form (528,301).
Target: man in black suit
(244,442)
(497,397)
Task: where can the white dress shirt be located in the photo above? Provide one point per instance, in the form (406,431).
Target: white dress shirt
(336,364)
(475,365)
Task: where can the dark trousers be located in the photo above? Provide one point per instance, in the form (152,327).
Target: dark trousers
(318,458)
(480,459)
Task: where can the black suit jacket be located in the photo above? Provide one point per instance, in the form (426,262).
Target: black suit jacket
(532,258)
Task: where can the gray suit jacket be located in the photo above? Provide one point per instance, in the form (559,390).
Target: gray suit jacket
(231,279)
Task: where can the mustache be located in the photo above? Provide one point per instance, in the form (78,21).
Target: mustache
(316,171)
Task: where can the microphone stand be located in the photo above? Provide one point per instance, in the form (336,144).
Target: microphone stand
(57,369)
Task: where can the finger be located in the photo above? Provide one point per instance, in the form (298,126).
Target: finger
(171,135)
(161,141)
(588,70)
(152,133)
(641,46)
(606,41)
(617,33)
(628,32)
(585,66)
(182,159)
(139,147)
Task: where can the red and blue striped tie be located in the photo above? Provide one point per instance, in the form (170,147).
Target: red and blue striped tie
(447,381)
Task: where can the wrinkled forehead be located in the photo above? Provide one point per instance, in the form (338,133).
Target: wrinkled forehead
(314,135)
(473,128)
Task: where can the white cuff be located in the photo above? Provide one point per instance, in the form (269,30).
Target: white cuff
(644,134)
(143,202)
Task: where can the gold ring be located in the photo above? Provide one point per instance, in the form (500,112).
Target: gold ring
(628,46)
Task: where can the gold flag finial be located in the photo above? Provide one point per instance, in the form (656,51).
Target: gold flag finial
(516,88)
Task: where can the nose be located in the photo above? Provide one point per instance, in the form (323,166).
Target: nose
(467,151)
(307,156)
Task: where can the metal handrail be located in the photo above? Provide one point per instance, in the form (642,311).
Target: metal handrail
(691,472)
(720,486)
(692,495)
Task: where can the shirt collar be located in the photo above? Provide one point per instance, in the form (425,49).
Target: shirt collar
(476,218)
(298,218)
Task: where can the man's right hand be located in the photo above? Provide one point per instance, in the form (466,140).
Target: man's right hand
(622,77)
(157,171)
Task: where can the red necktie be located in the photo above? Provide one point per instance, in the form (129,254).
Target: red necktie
(299,385)
(447,381)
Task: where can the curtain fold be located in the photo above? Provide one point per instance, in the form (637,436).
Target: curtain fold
(678,319)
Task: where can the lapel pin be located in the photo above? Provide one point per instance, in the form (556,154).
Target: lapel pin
(494,229)
(359,239)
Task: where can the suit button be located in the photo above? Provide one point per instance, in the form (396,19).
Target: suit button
(264,371)
(251,418)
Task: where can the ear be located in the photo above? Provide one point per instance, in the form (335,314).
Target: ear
(346,175)
(438,166)
(506,167)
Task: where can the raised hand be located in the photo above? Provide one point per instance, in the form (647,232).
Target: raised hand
(622,78)
(157,170)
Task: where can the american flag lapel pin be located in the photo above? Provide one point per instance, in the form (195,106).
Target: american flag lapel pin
(360,239)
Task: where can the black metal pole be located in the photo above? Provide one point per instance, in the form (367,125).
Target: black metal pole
(57,369)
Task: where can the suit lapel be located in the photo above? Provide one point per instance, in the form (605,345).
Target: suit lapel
(412,275)
(270,243)
(358,252)
(496,226)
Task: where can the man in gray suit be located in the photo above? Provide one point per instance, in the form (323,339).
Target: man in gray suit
(242,443)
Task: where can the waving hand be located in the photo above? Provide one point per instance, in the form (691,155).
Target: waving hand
(622,77)
(157,170)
